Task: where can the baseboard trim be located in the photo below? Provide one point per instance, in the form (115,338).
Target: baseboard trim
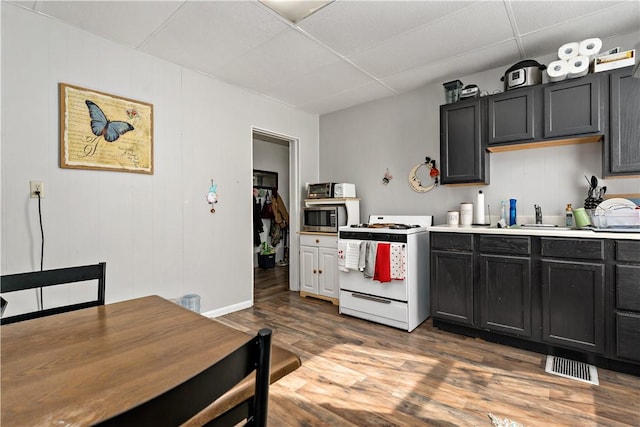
(228,309)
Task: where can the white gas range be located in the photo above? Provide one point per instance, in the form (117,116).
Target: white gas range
(399,298)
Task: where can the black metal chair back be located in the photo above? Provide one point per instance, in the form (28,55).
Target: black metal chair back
(185,400)
(42,279)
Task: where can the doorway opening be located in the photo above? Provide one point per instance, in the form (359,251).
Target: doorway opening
(275,179)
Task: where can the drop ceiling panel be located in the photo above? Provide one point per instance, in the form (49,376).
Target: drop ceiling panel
(484,24)
(533,16)
(626,16)
(405,44)
(351,26)
(348,98)
(452,68)
(125,22)
(326,81)
(288,56)
(207,35)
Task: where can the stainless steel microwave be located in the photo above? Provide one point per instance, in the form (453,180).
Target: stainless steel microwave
(324,219)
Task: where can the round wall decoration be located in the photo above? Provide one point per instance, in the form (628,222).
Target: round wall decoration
(415,182)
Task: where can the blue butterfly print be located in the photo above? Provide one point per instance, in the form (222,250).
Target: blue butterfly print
(101,126)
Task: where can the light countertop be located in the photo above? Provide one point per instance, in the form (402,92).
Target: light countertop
(533,231)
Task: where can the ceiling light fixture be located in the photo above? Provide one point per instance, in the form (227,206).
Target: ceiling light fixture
(295,10)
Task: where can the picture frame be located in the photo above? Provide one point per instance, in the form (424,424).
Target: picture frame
(101,131)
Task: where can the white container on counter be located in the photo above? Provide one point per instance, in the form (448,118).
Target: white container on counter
(453,218)
(466,213)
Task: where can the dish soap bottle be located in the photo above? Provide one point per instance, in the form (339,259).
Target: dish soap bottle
(512,212)
(568,215)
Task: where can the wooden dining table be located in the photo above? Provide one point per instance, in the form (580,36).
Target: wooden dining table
(85,366)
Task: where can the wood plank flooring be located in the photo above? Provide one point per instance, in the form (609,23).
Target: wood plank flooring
(358,373)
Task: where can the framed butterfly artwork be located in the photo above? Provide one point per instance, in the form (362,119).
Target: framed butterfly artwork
(104,132)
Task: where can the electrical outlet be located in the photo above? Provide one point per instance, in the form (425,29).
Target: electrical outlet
(35,186)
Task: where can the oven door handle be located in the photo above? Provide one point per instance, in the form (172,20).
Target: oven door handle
(370,298)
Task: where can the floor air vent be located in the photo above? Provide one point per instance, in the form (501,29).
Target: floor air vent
(571,369)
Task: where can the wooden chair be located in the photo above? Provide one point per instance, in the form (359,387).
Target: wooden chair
(43,279)
(186,400)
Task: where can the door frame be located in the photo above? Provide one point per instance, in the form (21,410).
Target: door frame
(294,200)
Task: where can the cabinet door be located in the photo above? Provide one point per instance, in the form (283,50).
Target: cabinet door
(452,286)
(462,155)
(505,298)
(572,107)
(573,304)
(628,336)
(328,272)
(309,269)
(511,116)
(622,147)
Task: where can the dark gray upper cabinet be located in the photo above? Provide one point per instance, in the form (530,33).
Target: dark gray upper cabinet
(463,158)
(572,107)
(511,116)
(622,145)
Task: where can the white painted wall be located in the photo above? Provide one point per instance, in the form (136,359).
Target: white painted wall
(359,143)
(154,231)
(273,158)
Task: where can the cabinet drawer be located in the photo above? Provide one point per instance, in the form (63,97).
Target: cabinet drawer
(509,245)
(628,250)
(572,248)
(452,241)
(628,336)
(319,240)
(380,310)
(628,287)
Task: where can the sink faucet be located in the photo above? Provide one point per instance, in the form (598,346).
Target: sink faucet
(538,214)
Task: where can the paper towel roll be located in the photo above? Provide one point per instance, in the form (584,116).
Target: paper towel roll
(578,67)
(568,50)
(590,47)
(558,70)
(479,208)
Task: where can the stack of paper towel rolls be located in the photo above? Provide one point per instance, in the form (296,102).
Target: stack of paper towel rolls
(573,59)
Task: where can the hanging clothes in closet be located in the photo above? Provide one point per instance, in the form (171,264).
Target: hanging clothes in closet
(280,221)
(257,219)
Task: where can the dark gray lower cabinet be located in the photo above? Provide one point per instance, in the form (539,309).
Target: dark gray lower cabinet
(573,305)
(452,286)
(548,293)
(627,300)
(505,294)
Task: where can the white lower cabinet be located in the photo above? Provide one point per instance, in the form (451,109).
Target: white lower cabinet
(319,266)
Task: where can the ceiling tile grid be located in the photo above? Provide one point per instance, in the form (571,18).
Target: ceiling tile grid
(125,22)
(352,26)
(349,52)
(486,22)
(208,35)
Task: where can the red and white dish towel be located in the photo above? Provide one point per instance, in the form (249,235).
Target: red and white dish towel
(390,262)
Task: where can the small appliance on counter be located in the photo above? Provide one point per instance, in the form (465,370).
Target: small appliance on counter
(322,190)
(344,189)
(329,190)
(523,73)
(324,218)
